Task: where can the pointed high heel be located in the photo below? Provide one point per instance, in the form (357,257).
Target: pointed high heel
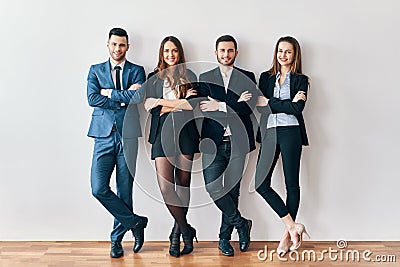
(300,229)
(175,241)
(188,240)
(175,244)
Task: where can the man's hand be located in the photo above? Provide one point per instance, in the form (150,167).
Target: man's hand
(245,96)
(262,101)
(151,103)
(105,92)
(135,86)
(190,92)
(301,95)
(210,105)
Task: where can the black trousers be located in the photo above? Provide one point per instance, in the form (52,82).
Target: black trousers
(222,173)
(284,141)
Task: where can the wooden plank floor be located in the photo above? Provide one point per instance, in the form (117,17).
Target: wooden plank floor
(71,254)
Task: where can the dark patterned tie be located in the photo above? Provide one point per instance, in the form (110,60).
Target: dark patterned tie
(117,77)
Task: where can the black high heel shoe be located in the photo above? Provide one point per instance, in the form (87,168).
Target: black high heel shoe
(188,240)
(175,244)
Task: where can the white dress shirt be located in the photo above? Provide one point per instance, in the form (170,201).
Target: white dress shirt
(222,105)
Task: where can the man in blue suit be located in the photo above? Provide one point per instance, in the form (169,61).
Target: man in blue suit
(112,87)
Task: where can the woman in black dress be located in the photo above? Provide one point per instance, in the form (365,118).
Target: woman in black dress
(173,135)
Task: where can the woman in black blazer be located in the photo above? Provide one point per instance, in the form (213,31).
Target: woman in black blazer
(282,132)
(173,135)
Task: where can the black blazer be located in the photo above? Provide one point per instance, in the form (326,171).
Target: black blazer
(238,114)
(154,88)
(267,84)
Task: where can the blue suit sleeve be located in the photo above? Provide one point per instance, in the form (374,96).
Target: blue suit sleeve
(95,99)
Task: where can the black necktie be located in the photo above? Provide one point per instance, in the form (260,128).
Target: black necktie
(117,77)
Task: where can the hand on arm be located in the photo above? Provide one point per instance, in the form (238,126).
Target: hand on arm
(301,95)
(106,92)
(94,96)
(262,101)
(209,105)
(245,96)
(135,86)
(176,104)
(191,92)
(291,107)
(166,110)
(151,103)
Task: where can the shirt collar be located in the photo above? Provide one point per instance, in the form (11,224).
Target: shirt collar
(227,75)
(278,75)
(122,64)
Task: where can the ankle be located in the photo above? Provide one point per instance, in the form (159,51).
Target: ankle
(291,228)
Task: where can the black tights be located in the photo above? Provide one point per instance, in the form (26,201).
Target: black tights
(174,175)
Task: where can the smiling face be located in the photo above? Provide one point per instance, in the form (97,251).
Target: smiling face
(117,46)
(226,53)
(285,54)
(170,53)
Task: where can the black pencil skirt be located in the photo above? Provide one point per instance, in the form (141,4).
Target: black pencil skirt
(176,134)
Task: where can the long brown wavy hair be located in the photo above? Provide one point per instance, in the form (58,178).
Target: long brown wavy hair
(176,75)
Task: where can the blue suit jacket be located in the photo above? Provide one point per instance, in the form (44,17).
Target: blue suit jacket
(108,111)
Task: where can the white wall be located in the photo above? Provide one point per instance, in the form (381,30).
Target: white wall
(349,175)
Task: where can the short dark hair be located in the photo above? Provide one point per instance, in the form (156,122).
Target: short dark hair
(118,32)
(226,38)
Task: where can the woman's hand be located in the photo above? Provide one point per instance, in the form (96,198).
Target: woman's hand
(262,101)
(134,86)
(245,96)
(151,103)
(301,95)
(190,92)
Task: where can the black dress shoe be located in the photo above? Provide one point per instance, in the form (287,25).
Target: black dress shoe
(138,233)
(225,246)
(244,235)
(116,250)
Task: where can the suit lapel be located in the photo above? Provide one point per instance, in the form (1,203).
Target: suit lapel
(293,81)
(271,86)
(125,75)
(219,82)
(159,88)
(232,89)
(107,73)
(233,79)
